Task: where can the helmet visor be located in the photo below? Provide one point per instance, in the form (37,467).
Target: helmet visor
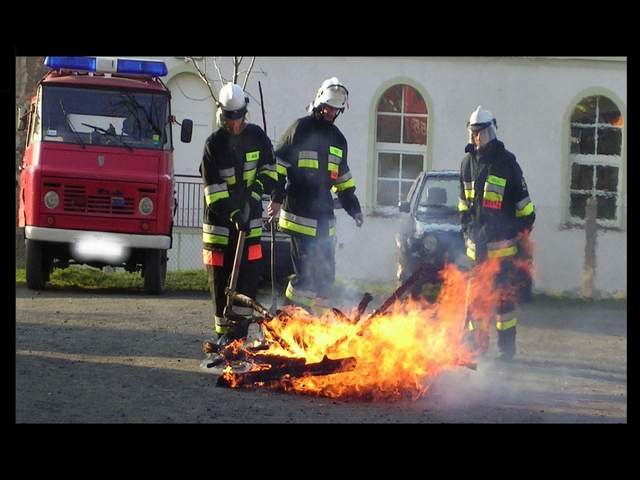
(234,114)
(477,127)
(337,96)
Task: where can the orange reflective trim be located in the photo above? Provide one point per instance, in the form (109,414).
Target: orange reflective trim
(214,258)
(254,252)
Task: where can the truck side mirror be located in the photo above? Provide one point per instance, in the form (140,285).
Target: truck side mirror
(186,130)
(403,207)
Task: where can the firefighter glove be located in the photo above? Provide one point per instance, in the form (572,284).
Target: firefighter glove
(238,220)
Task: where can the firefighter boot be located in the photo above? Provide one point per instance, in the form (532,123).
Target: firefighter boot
(507,343)
(240,329)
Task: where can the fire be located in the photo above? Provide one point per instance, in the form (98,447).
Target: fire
(397,354)
(618,121)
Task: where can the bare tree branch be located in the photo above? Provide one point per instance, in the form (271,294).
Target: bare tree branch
(236,72)
(204,77)
(235,69)
(248,73)
(215,64)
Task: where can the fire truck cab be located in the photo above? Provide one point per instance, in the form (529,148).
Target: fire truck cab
(97,179)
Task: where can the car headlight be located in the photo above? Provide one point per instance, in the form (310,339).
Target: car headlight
(51,199)
(430,243)
(145,206)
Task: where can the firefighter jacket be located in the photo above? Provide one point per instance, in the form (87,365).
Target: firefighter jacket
(235,169)
(494,202)
(312,159)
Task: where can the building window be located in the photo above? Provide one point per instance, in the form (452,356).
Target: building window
(401,138)
(596,160)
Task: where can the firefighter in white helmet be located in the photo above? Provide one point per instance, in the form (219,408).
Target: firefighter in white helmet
(237,167)
(312,158)
(497,215)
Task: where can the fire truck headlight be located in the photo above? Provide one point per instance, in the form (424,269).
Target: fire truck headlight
(51,199)
(145,206)
(430,243)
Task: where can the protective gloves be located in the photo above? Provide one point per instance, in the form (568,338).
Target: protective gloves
(240,221)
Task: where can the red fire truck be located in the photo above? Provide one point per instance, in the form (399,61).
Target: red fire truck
(96,182)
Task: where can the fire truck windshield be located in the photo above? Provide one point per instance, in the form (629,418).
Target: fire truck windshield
(105,117)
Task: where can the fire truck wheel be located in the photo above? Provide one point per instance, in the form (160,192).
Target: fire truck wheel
(37,271)
(155,271)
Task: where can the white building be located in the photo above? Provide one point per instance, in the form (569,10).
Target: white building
(563,117)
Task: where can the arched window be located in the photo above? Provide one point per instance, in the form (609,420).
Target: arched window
(401,138)
(596,160)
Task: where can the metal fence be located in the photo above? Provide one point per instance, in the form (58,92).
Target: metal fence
(186,251)
(190,196)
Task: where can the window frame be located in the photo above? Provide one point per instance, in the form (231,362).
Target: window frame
(399,180)
(397,148)
(595,159)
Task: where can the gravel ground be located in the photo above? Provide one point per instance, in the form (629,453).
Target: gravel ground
(114,357)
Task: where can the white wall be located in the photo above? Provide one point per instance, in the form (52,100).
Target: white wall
(530,99)
(190,98)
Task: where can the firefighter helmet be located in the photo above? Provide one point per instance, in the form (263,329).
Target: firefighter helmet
(232,101)
(480,118)
(482,121)
(331,93)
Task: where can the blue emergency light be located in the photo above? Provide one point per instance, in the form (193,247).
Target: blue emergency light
(134,66)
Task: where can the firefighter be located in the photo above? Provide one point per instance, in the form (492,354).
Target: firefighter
(312,158)
(496,213)
(237,168)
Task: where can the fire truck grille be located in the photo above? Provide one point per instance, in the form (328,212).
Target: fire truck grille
(76,200)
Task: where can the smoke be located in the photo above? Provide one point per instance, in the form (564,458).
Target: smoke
(366,258)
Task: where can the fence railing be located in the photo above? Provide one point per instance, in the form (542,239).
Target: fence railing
(190,196)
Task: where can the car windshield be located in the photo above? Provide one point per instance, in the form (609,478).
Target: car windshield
(105,117)
(439,195)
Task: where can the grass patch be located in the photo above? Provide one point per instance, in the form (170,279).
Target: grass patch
(94,278)
(196,280)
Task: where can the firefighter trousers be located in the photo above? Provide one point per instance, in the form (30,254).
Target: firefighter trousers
(248,280)
(505,316)
(313,260)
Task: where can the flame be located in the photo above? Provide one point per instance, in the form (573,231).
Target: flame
(618,121)
(400,353)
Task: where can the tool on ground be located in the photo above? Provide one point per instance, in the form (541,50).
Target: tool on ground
(286,368)
(274,301)
(265,313)
(235,271)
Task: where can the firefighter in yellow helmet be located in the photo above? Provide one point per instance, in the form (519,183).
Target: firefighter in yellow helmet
(237,168)
(311,158)
(496,212)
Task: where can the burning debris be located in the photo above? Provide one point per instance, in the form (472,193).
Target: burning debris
(397,351)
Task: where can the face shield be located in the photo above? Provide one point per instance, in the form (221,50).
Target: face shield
(222,115)
(234,114)
(482,133)
(336,96)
